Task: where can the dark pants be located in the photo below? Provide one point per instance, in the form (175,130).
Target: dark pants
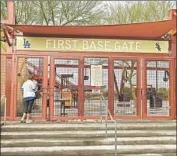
(28,106)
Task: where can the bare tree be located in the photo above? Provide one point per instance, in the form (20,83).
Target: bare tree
(3,12)
(57,12)
(123,12)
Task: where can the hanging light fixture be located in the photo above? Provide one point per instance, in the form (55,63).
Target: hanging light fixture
(85,76)
(166,75)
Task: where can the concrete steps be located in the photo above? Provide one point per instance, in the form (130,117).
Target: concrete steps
(89,150)
(146,138)
(88,126)
(85,134)
(87,142)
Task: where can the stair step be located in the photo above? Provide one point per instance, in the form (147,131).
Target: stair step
(76,138)
(88,154)
(150,154)
(88,150)
(91,141)
(85,134)
(90,121)
(75,127)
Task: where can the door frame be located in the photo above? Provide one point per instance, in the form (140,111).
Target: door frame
(109,84)
(171,89)
(51,87)
(44,85)
(9,107)
(138,81)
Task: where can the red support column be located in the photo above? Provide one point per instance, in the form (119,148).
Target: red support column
(11,12)
(173,54)
(51,86)
(8,84)
(140,89)
(45,88)
(173,46)
(172,88)
(14,85)
(172,16)
(143,87)
(111,86)
(81,88)
(174,93)
(12,88)
(11,20)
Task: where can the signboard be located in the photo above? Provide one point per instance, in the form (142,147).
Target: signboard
(96,89)
(90,45)
(68,96)
(96,75)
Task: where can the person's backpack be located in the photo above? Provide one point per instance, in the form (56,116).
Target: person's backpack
(38,94)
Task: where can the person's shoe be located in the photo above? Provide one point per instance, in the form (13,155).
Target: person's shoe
(29,121)
(22,121)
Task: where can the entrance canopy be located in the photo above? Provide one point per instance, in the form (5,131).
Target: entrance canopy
(147,30)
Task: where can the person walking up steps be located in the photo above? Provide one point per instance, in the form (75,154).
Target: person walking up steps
(28,88)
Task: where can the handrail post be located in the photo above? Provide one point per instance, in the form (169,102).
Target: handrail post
(106,123)
(115,138)
(101,109)
(5,109)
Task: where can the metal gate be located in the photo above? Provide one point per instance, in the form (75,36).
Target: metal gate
(158,93)
(92,105)
(136,92)
(125,87)
(36,65)
(139,88)
(63,102)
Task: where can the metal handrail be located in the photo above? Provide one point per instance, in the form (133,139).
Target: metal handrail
(106,119)
(5,100)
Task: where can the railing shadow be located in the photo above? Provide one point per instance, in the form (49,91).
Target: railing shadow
(5,100)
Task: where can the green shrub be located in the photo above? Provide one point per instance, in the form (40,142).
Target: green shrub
(164,93)
(128,92)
